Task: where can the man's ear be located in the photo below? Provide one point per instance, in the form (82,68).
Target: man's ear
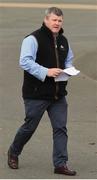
(46,19)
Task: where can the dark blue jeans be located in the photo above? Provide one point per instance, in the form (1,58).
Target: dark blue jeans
(34,110)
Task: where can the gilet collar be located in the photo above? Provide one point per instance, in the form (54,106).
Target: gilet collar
(48,31)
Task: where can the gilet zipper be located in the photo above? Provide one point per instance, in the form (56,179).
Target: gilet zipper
(57,63)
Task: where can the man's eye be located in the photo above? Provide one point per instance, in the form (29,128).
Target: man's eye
(60,21)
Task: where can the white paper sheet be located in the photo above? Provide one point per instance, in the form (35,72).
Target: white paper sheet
(62,77)
(68,72)
(71,71)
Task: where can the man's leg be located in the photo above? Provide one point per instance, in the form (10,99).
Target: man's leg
(58,115)
(34,110)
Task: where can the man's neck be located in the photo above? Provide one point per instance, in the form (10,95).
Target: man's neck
(55,34)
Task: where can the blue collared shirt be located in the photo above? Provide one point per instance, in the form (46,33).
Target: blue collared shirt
(28,56)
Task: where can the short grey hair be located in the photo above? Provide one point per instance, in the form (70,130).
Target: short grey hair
(53,10)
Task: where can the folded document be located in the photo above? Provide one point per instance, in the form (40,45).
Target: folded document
(64,76)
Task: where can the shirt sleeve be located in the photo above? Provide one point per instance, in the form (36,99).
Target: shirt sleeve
(69,59)
(28,57)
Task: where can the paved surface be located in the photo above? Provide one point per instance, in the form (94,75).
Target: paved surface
(36,160)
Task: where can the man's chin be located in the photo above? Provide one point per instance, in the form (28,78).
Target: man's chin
(55,32)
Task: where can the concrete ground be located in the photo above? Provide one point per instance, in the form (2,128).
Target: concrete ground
(36,160)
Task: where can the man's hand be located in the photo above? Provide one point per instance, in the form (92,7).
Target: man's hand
(54,72)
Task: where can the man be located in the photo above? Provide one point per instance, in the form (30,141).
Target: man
(44,55)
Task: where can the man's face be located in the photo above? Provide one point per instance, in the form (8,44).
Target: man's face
(54,22)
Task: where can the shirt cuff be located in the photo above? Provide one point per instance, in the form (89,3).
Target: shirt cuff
(43,74)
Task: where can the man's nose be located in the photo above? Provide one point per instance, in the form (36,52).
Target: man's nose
(57,22)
